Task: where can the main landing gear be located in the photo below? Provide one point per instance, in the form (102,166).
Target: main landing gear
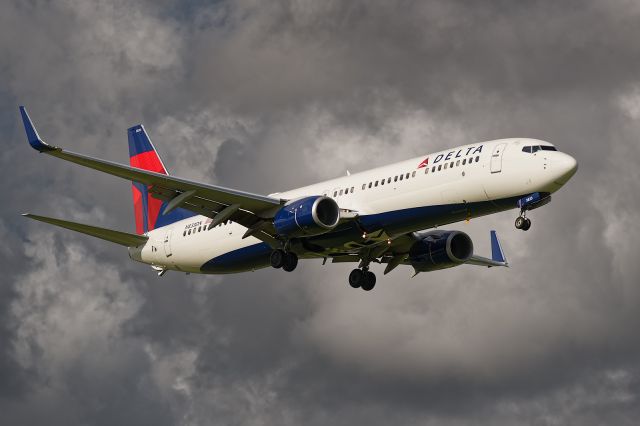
(362,278)
(523,222)
(285,260)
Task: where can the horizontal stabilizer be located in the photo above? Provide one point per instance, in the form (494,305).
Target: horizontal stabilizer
(122,238)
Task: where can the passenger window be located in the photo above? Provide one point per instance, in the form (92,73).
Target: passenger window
(426,170)
(352,189)
(464,161)
(340,192)
(433,169)
(199,228)
(440,167)
(457,163)
(376,184)
(382,182)
(370,184)
(395,179)
(446,165)
(335,194)
(389,180)
(364,185)
(189,231)
(477,158)
(184,233)
(407,176)
(400,177)
(413,174)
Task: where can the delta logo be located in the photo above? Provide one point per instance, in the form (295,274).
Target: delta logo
(450,155)
(424,163)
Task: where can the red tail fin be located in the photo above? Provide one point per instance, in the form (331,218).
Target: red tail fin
(147,209)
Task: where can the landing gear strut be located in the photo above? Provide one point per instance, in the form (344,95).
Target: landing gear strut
(362,278)
(523,222)
(285,260)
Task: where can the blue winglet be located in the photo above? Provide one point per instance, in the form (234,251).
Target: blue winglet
(497,254)
(32,133)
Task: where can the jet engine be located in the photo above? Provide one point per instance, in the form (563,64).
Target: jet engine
(307,216)
(440,250)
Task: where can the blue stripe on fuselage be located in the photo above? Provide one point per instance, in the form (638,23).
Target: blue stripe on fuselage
(255,256)
(394,222)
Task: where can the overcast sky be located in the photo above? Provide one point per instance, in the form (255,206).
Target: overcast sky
(267,96)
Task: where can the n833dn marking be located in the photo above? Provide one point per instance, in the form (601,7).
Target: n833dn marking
(385,215)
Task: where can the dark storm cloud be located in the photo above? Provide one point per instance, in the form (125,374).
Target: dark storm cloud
(263,97)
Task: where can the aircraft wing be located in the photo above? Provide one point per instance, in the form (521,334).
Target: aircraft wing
(122,238)
(396,253)
(212,201)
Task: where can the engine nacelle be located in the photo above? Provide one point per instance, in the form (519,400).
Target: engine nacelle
(307,216)
(440,250)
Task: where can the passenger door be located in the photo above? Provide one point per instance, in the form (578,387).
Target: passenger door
(496,158)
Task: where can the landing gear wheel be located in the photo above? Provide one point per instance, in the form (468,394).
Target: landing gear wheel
(290,262)
(526,225)
(369,281)
(356,277)
(277,258)
(520,221)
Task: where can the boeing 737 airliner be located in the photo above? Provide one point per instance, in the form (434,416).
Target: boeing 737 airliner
(386,215)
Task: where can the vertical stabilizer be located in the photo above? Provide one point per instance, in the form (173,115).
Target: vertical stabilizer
(147,209)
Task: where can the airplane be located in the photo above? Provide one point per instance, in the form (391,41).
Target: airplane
(388,215)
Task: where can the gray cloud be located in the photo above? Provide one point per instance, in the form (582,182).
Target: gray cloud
(267,96)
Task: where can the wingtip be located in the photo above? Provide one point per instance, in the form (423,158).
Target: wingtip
(32,134)
(497,253)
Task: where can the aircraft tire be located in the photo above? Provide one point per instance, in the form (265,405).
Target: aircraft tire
(520,221)
(356,278)
(527,224)
(277,258)
(369,281)
(290,262)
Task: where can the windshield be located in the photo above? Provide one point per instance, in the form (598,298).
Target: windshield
(535,148)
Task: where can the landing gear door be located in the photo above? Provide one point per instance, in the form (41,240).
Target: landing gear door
(496,158)
(167,244)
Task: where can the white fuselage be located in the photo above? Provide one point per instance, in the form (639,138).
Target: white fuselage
(484,176)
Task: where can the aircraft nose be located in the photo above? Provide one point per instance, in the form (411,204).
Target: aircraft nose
(565,166)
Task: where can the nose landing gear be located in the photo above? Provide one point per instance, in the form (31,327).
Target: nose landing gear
(523,222)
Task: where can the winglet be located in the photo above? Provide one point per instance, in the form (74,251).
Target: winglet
(32,134)
(497,254)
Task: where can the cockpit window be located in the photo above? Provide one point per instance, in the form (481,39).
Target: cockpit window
(536,148)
